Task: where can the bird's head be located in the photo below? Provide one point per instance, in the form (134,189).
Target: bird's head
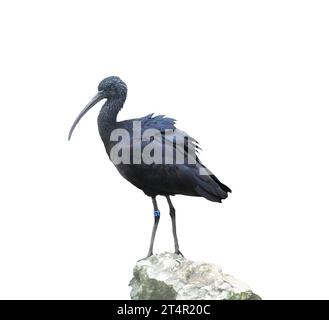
(110,88)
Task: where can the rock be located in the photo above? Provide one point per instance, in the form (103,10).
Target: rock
(168,276)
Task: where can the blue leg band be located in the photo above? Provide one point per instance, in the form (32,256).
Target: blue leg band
(157,213)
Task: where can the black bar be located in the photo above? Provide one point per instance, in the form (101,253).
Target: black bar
(147,309)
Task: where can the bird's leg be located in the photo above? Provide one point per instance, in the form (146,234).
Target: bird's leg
(155,226)
(173,222)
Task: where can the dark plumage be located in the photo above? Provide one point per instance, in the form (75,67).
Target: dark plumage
(154,178)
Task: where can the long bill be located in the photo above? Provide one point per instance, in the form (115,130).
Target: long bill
(98,97)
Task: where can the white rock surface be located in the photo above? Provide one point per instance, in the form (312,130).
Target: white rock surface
(168,276)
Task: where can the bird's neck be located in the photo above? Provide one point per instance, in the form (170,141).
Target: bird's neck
(107,117)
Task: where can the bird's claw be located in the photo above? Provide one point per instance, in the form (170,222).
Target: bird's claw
(179,253)
(149,255)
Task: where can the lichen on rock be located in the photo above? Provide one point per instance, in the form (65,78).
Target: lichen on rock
(168,276)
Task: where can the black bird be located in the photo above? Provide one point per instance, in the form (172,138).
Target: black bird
(166,178)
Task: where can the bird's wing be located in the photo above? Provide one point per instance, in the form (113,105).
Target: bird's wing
(166,177)
(168,133)
(159,122)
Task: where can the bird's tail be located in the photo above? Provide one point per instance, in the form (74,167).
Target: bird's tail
(209,187)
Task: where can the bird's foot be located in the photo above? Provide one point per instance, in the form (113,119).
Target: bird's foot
(150,254)
(179,253)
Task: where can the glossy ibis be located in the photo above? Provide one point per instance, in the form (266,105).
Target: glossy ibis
(167,177)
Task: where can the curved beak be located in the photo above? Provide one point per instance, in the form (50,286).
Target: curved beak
(98,97)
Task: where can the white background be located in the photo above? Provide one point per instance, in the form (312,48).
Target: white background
(248,79)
